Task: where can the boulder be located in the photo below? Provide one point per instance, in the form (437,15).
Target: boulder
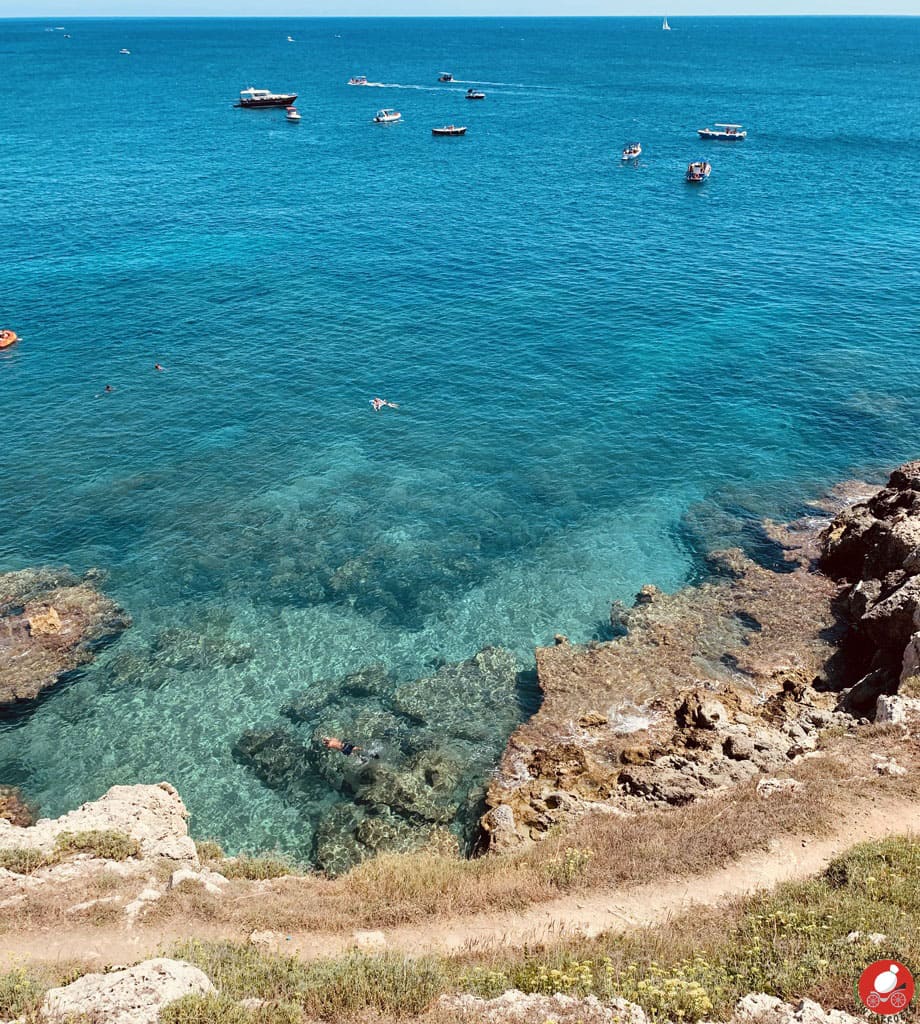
(768,787)
(514,1007)
(13,808)
(759,1008)
(132,996)
(890,711)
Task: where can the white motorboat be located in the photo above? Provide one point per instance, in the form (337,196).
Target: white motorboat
(723,133)
(698,171)
(632,152)
(387,116)
(127,53)
(290,39)
(358,80)
(293,114)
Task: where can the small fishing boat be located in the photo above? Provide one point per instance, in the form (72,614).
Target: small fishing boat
(358,80)
(293,114)
(665,27)
(445,76)
(474,94)
(723,133)
(449,129)
(8,338)
(387,116)
(263,98)
(698,171)
(632,151)
(127,53)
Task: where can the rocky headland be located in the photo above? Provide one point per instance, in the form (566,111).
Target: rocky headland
(721,682)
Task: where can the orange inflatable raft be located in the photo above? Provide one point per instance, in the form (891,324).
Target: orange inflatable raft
(8,338)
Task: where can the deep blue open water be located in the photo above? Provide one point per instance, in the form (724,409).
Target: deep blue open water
(601,371)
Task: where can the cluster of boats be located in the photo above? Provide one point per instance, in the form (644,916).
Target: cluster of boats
(697,170)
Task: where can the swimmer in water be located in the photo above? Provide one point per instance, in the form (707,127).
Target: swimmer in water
(157,366)
(380,403)
(107,390)
(334,743)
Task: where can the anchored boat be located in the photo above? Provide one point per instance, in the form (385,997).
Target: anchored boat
(387,116)
(293,114)
(698,171)
(723,133)
(632,151)
(8,338)
(474,94)
(449,129)
(263,98)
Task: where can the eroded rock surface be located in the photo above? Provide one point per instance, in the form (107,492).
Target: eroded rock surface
(132,996)
(51,622)
(155,816)
(874,549)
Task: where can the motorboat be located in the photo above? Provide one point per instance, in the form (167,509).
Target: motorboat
(474,94)
(8,338)
(632,151)
(723,133)
(665,27)
(387,116)
(290,39)
(263,98)
(698,170)
(293,114)
(445,76)
(127,53)
(358,80)
(449,129)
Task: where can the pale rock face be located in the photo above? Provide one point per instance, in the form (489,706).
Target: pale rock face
(132,996)
(153,815)
(890,711)
(211,881)
(911,664)
(770,787)
(888,766)
(758,1008)
(515,1007)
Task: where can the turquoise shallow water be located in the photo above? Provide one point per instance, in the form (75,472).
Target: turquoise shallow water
(601,371)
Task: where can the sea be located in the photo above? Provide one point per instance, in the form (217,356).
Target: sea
(601,371)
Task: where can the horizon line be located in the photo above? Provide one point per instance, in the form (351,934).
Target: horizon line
(437,17)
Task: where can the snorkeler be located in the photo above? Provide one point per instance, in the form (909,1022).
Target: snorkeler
(346,748)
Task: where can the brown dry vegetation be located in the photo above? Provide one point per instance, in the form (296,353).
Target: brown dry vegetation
(600,852)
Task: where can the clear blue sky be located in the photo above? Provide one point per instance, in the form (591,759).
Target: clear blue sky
(61,9)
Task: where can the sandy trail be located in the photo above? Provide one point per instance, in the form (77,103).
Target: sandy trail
(587,913)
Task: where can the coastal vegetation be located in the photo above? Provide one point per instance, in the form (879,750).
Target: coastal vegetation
(102,843)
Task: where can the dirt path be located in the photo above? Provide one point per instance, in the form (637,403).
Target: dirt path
(587,914)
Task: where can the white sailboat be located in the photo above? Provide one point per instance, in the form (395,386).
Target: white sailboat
(665,27)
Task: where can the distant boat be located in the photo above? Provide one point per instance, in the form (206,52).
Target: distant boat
(473,94)
(263,98)
(632,151)
(358,80)
(290,39)
(127,53)
(387,116)
(293,114)
(445,76)
(698,171)
(729,133)
(449,129)
(8,338)
(665,27)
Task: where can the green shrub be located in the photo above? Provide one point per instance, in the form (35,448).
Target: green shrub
(107,844)
(257,868)
(23,861)
(20,993)
(209,850)
(567,867)
(348,988)
(215,1009)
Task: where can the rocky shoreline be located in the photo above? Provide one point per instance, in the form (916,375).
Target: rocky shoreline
(702,689)
(727,680)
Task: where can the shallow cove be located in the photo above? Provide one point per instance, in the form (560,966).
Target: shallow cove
(601,373)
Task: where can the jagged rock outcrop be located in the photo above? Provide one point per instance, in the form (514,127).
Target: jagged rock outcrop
(677,708)
(51,622)
(154,816)
(14,808)
(874,548)
(132,996)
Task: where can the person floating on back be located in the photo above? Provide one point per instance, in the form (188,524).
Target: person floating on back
(157,366)
(380,403)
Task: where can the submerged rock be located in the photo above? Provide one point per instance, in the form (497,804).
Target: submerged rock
(51,622)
